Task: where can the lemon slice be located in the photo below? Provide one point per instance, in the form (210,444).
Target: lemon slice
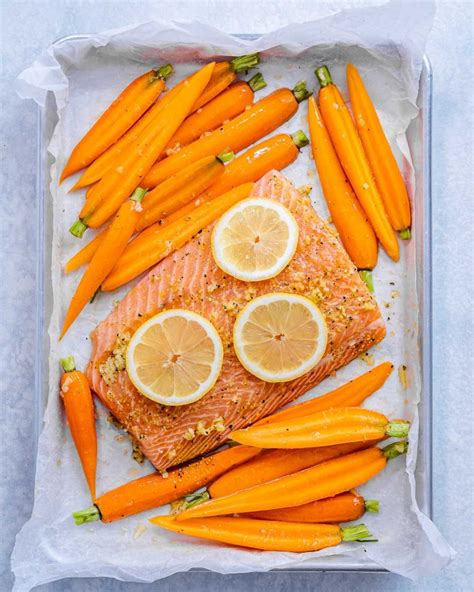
(278,337)
(255,239)
(175,357)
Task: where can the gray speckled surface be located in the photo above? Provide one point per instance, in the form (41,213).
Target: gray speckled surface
(26,28)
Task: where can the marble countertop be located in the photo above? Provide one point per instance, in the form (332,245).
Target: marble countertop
(27,28)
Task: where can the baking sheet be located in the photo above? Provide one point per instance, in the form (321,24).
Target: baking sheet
(91,73)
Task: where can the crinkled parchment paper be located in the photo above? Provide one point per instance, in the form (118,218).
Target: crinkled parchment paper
(84,75)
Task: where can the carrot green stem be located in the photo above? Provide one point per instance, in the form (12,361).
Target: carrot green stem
(372,506)
(395,449)
(300,139)
(90,514)
(68,364)
(300,91)
(323,75)
(139,194)
(245,62)
(226,155)
(195,500)
(405,234)
(397,429)
(358,532)
(163,72)
(78,228)
(257,82)
(366,277)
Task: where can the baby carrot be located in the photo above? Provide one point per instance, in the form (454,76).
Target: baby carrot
(105,257)
(79,407)
(351,394)
(267,535)
(324,480)
(351,154)
(382,161)
(275,153)
(347,214)
(127,108)
(340,425)
(343,507)
(152,491)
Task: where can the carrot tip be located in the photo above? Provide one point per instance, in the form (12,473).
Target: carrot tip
(245,62)
(68,364)
(395,449)
(366,277)
(323,75)
(90,514)
(189,502)
(163,72)
(397,429)
(300,91)
(78,228)
(300,139)
(257,82)
(358,532)
(405,234)
(372,506)
(226,156)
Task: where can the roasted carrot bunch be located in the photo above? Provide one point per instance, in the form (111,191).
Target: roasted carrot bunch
(339,508)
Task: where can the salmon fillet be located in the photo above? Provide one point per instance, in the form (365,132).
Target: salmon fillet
(189,278)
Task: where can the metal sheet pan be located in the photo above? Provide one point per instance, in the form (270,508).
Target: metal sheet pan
(419,139)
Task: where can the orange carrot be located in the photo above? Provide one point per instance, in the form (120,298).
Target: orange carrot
(267,535)
(127,108)
(114,155)
(180,189)
(382,161)
(340,425)
(225,106)
(77,398)
(273,464)
(275,153)
(324,480)
(156,242)
(85,254)
(154,490)
(258,121)
(348,216)
(223,75)
(343,507)
(351,394)
(112,189)
(351,154)
(105,257)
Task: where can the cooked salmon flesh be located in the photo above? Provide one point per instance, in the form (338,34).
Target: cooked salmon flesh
(189,278)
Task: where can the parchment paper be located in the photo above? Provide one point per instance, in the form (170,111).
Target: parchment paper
(84,75)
